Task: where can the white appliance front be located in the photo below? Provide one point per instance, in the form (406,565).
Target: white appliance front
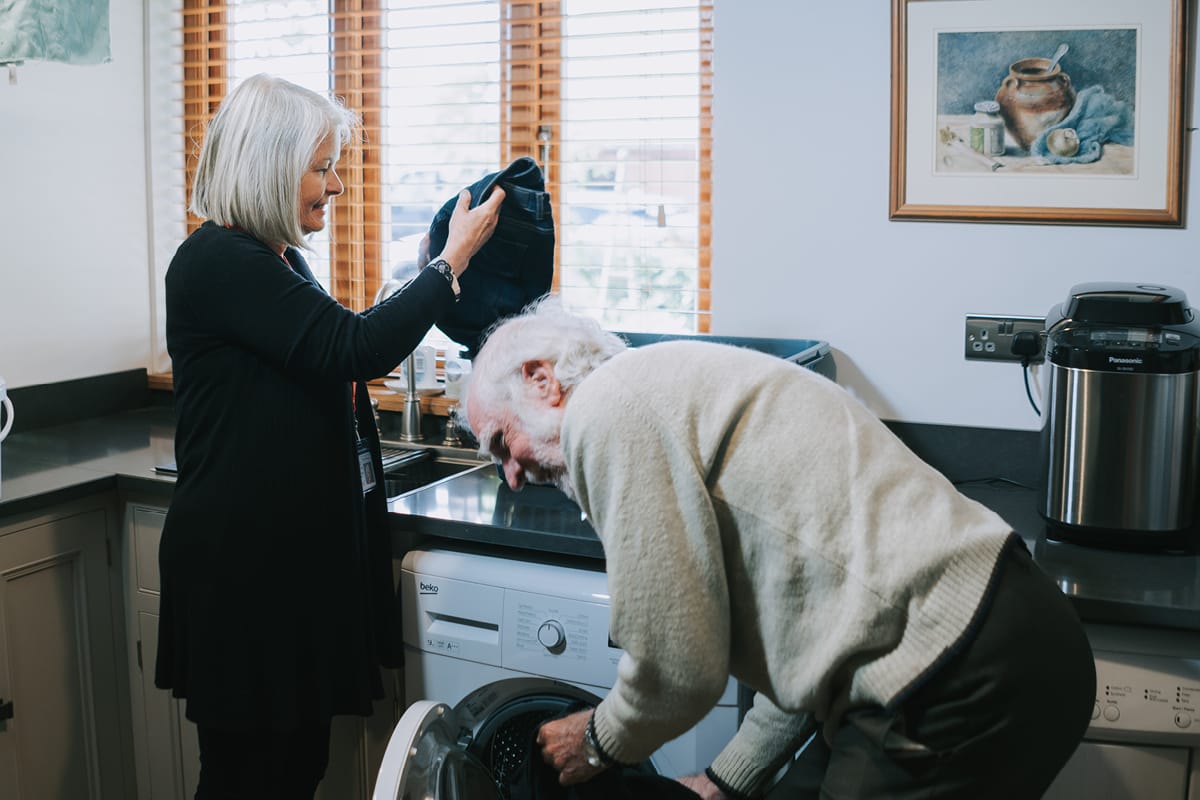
(472,619)
(1144,739)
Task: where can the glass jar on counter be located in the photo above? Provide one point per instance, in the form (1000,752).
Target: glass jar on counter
(987,129)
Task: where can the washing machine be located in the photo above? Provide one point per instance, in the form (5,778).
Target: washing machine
(495,645)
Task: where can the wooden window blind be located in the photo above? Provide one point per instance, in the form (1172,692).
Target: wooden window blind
(612,97)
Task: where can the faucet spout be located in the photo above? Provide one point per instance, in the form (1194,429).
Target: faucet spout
(410,420)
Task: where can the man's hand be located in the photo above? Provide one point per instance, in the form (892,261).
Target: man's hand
(561,741)
(701,785)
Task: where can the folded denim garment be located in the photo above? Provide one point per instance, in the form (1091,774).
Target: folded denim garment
(514,267)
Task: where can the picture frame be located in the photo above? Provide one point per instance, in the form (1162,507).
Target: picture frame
(987,126)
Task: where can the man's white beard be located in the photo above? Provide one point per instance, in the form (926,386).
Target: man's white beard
(544,429)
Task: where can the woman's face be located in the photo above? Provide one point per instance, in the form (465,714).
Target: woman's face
(319,184)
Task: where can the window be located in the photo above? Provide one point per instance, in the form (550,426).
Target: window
(612,97)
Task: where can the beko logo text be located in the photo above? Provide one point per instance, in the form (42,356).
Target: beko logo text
(428,588)
(1115,360)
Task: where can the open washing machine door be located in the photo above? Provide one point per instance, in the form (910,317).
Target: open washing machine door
(474,750)
(424,759)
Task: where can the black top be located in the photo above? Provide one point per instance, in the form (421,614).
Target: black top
(277,595)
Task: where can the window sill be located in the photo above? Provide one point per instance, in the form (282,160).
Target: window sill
(437,405)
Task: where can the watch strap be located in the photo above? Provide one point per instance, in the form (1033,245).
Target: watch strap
(592,750)
(442,266)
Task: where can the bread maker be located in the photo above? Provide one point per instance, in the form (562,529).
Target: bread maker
(1119,430)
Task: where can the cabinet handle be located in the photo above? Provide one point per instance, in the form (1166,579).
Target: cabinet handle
(6,710)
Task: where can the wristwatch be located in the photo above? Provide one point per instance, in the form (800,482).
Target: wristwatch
(443,266)
(592,752)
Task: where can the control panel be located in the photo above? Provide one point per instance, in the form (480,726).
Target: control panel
(1146,697)
(518,617)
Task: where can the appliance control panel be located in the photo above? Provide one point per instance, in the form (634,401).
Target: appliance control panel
(521,616)
(557,637)
(1153,696)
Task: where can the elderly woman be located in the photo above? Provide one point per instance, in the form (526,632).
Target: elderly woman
(277,594)
(768,526)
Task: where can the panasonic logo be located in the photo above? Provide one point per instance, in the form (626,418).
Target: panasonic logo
(1115,360)
(428,588)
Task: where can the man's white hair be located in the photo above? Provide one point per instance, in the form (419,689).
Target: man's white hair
(574,344)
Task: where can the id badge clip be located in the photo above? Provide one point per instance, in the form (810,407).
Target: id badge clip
(366,470)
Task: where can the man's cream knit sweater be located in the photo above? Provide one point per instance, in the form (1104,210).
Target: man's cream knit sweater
(758,521)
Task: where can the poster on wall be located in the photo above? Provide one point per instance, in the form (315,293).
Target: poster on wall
(70,31)
(1026,111)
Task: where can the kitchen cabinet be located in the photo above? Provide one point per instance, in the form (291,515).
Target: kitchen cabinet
(166,747)
(167,752)
(62,665)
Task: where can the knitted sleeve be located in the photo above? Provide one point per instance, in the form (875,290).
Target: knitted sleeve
(225,285)
(765,740)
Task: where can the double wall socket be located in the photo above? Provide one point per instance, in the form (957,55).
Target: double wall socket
(990,338)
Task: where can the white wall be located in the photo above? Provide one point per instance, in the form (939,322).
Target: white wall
(802,242)
(803,247)
(74,285)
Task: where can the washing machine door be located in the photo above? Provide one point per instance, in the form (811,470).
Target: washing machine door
(475,750)
(425,759)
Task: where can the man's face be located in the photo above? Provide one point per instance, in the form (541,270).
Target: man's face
(525,445)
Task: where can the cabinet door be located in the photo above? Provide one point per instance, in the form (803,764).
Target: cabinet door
(61,665)
(165,744)
(1105,771)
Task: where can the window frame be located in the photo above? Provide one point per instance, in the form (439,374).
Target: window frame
(531,60)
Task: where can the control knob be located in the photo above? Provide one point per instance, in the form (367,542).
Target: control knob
(552,636)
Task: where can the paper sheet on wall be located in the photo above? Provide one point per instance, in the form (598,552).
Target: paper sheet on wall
(71,31)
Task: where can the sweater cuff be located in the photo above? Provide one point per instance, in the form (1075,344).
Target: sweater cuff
(605,742)
(725,788)
(736,775)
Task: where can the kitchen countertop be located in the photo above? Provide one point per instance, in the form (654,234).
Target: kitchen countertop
(46,466)
(1107,586)
(50,465)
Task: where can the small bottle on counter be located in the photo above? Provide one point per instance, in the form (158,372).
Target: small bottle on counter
(987,129)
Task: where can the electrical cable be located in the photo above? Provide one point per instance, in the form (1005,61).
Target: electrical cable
(1028,393)
(1027,345)
(991,481)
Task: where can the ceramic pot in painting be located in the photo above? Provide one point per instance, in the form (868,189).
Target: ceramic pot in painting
(1033,99)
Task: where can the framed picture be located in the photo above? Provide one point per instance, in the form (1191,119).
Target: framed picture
(1038,112)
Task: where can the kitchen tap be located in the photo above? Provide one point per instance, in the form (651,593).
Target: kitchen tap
(410,420)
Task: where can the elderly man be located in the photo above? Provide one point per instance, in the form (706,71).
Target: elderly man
(757,521)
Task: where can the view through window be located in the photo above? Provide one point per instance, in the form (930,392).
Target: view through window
(611,97)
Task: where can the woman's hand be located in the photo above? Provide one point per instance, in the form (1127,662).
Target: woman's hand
(561,741)
(701,785)
(470,228)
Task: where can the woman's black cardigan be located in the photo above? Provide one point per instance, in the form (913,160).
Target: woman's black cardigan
(278,602)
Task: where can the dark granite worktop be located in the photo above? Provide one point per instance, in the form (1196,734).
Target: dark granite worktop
(119,451)
(1108,586)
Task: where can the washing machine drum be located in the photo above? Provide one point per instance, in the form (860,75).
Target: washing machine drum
(475,750)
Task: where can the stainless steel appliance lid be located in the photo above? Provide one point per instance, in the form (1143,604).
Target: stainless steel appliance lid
(1127,303)
(1124,327)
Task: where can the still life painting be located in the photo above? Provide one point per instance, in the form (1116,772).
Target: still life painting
(1070,107)
(1032,112)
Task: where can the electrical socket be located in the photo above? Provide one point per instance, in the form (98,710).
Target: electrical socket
(990,337)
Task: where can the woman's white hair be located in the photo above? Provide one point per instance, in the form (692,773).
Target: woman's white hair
(576,345)
(257,148)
